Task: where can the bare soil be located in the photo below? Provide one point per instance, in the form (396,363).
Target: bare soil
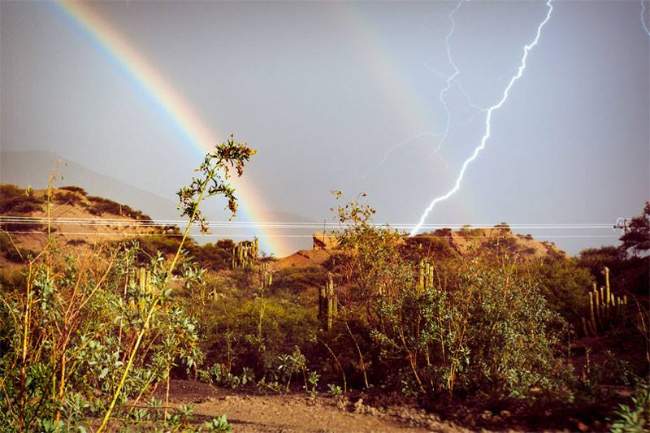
(298,413)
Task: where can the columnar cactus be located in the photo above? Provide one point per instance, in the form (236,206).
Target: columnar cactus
(425,276)
(244,254)
(266,277)
(327,303)
(604,308)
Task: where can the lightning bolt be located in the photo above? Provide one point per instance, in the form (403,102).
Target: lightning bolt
(643,23)
(488,122)
(450,81)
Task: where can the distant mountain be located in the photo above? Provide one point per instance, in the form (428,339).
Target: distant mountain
(33,167)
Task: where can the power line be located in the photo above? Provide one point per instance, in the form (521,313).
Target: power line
(284,225)
(135,234)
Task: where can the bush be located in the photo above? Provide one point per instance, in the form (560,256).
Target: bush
(69,198)
(150,246)
(474,324)
(299,280)
(488,330)
(213,256)
(634,418)
(99,206)
(85,312)
(629,274)
(436,246)
(15,200)
(564,285)
(76,189)
(252,333)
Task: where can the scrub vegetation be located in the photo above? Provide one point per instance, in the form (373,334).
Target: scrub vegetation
(504,332)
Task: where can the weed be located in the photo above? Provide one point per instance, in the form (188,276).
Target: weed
(218,424)
(634,418)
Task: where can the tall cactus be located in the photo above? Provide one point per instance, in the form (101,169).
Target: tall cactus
(425,276)
(327,303)
(244,254)
(266,277)
(605,308)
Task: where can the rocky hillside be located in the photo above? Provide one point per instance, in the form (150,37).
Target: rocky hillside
(74,218)
(443,243)
(468,239)
(79,218)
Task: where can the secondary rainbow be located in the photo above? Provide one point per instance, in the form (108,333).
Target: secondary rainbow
(178,109)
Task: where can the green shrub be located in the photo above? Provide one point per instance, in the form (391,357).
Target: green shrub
(213,256)
(299,280)
(462,326)
(84,314)
(218,424)
(488,330)
(634,418)
(564,285)
(251,333)
(150,246)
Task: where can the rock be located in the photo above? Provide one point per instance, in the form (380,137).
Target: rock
(486,415)
(432,425)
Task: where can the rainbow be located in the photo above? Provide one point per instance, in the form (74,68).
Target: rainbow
(185,118)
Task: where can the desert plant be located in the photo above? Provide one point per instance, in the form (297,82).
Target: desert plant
(85,332)
(635,417)
(218,424)
(327,304)
(244,254)
(334,390)
(470,335)
(605,309)
(215,173)
(67,336)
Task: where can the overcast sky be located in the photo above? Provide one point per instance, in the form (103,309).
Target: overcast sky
(346,96)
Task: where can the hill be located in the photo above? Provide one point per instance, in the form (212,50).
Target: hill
(75,218)
(462,242)
(441,244)
(31,168)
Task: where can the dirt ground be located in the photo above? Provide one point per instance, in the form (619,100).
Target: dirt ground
(298,413)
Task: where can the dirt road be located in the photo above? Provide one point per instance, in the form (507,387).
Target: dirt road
(297,413)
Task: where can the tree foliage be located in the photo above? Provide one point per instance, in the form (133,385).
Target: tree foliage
(636,238)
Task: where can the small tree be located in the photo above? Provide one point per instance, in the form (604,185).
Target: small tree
(372,263)
(636,238)
(215,173)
